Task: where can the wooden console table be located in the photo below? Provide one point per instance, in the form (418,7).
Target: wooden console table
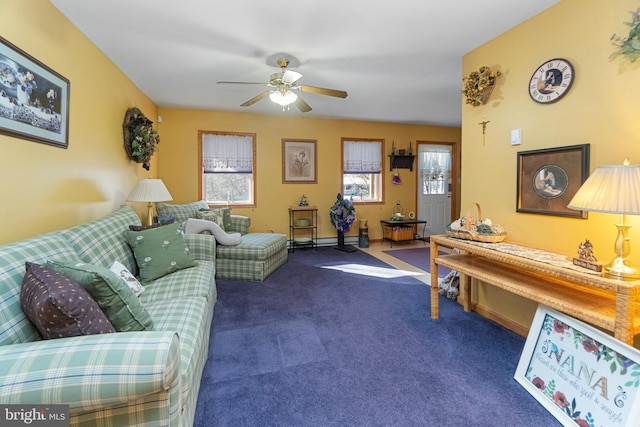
(611,304)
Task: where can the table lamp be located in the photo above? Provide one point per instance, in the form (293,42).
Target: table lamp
(613,189)
(149,190)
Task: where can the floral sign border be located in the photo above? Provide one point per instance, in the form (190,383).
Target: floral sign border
(580,375)
(34,99)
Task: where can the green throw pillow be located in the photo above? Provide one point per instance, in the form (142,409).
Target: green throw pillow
(159,251)
(221,216)
(117,301)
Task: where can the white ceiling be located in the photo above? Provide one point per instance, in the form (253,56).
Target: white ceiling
(399,61)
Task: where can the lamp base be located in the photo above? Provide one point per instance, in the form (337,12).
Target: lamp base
(620,268)
(150,214)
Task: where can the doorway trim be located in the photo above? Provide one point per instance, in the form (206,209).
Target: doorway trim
(455,175)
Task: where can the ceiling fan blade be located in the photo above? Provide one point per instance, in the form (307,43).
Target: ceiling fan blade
(255,99)
(291,77)
(322,91)
(302,105)
(243,83)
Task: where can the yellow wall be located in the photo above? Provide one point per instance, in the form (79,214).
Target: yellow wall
(43,187)
(179,169)
(601,109)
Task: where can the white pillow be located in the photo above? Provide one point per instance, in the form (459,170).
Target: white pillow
(128,278)
(196,226)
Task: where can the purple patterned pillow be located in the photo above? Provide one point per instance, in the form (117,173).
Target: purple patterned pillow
(148,227)
(58,306)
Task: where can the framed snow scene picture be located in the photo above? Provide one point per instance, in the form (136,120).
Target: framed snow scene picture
(581,375)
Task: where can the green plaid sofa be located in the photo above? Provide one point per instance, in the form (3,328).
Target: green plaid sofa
(149,378)
(259,254)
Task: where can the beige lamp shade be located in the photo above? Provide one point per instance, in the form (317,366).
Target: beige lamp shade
(616,190)
(149,190)
(610,189)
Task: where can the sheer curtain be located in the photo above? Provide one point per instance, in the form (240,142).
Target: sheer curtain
(436,171)
(227,153)
(362,157)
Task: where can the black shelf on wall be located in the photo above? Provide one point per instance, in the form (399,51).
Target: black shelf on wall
(402,162)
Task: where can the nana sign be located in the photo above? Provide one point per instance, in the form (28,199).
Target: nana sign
(581,375)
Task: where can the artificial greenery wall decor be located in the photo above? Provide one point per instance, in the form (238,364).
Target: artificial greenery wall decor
(478,85)
(140,139)
(629,46)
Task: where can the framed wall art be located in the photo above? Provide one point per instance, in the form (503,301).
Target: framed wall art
(581,375)
(34,99)
(299,161)
(549,178)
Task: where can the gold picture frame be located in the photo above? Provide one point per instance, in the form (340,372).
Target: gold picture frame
(299,161)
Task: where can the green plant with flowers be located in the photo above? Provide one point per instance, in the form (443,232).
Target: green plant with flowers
(629,46)
(140,138)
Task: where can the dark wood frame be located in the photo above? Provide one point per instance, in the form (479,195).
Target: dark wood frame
(291,148)
(569,167)
(26,109)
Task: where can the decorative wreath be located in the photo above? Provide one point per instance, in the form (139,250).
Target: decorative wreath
(342,214)
(478,85)
(140,139)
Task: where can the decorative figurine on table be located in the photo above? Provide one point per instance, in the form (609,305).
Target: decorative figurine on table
(586,257)
(303,201)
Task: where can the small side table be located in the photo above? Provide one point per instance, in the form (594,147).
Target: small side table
(303,220)
(400,231)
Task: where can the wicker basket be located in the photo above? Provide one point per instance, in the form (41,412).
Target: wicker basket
(468,234)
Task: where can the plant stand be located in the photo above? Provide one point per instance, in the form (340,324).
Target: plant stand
(341,246)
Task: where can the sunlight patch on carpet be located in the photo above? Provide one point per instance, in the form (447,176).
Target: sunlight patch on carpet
(367,270)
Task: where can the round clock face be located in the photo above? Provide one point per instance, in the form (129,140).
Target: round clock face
(551,81)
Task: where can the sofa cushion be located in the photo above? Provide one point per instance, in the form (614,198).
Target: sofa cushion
(58,306)
(100,242)
(117,301)
(220,216)
(159,251)
(181,212)
(197,281)
(15,327)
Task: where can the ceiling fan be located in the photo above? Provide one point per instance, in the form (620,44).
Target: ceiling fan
(282,86)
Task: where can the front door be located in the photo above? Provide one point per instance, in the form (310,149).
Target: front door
(434,187)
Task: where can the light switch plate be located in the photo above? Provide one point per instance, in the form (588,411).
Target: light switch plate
(516,137)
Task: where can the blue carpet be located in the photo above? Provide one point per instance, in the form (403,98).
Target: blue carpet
(418,257)
(313,346)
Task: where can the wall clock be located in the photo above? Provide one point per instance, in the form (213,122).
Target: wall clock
(551,81)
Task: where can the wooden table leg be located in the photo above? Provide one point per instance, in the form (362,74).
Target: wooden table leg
(435,295)
(466,289)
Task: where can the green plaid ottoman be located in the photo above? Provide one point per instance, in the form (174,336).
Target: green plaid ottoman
(259,255)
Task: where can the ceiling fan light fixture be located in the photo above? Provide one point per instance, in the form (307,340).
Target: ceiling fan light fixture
(283,98)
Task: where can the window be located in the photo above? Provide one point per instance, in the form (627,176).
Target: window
(228,171)
(362,170)
(436,171)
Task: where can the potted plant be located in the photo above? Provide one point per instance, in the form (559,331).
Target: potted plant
(478,85)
